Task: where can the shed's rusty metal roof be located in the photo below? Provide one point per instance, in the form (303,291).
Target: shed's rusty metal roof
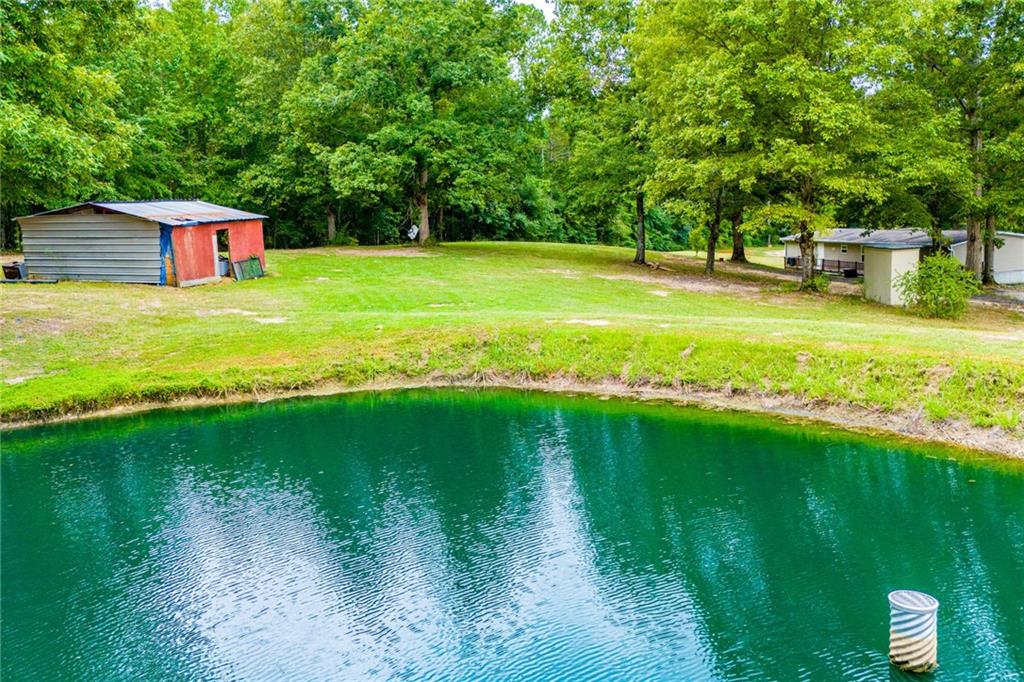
(174,213)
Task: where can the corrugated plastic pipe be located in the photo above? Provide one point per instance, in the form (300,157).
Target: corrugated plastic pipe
(913,631)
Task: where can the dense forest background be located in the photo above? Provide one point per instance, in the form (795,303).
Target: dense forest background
(347,121)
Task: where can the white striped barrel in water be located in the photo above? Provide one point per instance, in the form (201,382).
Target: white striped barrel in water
(913,632)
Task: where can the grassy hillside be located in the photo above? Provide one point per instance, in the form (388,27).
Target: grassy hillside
(536,311)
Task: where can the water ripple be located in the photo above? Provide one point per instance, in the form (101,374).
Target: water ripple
(443,536)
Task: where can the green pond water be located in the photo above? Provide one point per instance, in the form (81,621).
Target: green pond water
(479,536)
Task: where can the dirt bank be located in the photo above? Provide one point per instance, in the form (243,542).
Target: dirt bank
(912,426)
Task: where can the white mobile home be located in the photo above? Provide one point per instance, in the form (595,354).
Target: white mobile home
(1007,261)
(883,255)
(843,250)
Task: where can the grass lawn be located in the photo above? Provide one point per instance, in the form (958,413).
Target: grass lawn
(505,310)
(768,256)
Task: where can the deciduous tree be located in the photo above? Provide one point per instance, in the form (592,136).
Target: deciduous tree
(588,79)
(61,139)
(763,89)
(426,106)
(968,57)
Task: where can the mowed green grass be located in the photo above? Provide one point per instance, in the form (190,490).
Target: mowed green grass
(768,256)
(499,311)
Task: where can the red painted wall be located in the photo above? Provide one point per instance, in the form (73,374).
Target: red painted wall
(245,239)
(193,252)
(193,247)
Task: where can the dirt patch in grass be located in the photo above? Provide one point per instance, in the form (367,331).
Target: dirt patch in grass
(224,311)
(703,285)
(1005,297)
(568,274)
(936,375)
(27,374)
(587,323)
(25,305)
(685,259)
(1004,337)
(249,314)
(24,328)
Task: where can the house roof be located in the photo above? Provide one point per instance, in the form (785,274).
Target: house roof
(1001,233)
(174,213)
(906,238)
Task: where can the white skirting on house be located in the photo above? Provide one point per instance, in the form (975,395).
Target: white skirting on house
(1009,277)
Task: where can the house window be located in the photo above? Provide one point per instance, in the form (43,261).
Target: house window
(862,254)
(843,248)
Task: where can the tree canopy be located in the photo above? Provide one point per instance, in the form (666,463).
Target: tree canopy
(618,121)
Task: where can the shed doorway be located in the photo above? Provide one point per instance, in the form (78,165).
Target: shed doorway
(222,252)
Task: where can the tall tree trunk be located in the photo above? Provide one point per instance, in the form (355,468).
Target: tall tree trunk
(738,253)
(806,254)
(332,225)
(641,232)
(806,234)
(987,276)
(714,227)
(440,223)
(975,257)
(421,203)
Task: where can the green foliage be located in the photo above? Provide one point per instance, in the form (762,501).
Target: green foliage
(818,284)
(423,94)
(698,239)
(797,116)
(665,231)
(598,148)
(180,77)
(967,65)
(61,139)
(939,287)
(757,104)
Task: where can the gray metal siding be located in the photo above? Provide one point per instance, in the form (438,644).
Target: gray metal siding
(114,248)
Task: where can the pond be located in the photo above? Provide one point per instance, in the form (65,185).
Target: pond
(494,535)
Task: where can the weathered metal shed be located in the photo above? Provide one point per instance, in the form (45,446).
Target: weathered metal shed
(152,242)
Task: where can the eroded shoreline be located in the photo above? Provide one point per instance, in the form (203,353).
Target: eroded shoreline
(851,418)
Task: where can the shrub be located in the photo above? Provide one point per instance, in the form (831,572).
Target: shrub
(345,240)
(698,240)
(939,287)
(789,287)
(817,283)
